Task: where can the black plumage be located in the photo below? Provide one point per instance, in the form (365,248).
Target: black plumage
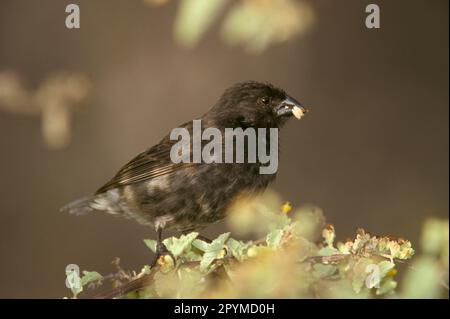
(155,191)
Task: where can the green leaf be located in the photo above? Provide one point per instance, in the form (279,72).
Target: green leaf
(151,244)
(213,251)
(238,248)
(200,244)
(219,242)
(90,276)
(179,245)
(193,255)
(273,239)
(176,246)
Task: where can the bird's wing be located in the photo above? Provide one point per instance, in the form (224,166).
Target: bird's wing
(149,164)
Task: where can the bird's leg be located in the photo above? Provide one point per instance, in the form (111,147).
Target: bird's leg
(161,249)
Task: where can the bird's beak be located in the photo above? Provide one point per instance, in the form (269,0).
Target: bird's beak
(290,106)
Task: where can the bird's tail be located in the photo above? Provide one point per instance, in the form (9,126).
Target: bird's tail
(81,206)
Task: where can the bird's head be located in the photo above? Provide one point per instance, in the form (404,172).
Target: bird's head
(255,104)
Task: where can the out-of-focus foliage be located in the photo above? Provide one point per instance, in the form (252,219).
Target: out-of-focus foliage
(53,100)
(194,18)
(297,257)
(258,24)
(254,24)
(429,272)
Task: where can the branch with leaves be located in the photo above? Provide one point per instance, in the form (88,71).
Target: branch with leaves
(297,258)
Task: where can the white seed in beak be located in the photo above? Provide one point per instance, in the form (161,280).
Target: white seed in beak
(297,112)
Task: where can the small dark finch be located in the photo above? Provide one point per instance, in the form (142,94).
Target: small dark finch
(155,191)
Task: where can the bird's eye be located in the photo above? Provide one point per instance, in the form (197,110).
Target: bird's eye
(265,100)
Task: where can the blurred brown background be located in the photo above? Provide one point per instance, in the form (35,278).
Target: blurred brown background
(373,153)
